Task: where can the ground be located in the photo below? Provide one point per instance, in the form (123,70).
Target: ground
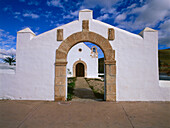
(84,114)
(97,85)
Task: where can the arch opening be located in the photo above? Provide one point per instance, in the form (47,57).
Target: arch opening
(61,62)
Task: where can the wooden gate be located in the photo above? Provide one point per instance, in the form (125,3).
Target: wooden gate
(79,70)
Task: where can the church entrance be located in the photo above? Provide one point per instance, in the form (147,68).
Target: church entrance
(79,70)
(61,63)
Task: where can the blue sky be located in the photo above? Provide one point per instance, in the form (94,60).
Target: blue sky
(43,15)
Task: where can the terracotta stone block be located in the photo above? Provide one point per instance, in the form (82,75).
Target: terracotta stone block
(85,25)
(111,89)
(111,34)
(78,37)
(60,91)
(110,79)
(60,71)
(92,37)
(113,70)
(112,62)
(104,44)
(60,98)
(60,54)
(71,40)
(60,81)
(110,69)
(110,97)
(110,54)
(65,47)
(59,34)
(85,36)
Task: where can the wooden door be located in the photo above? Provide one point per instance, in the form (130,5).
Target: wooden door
(79,70)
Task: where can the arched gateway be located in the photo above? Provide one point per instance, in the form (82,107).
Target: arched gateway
(61,62)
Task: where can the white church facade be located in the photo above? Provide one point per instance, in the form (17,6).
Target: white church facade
(82,61)
(42,62)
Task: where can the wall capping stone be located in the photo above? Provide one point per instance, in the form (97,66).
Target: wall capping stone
(59,34)
(111,34)
(85,25)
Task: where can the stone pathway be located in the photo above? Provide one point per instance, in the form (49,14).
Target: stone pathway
(82,90)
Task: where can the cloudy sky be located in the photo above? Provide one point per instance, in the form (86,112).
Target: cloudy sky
(44,15)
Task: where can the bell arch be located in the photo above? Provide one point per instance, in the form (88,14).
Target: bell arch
(61,62)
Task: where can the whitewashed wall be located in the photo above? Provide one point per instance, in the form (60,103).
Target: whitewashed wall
(136,64)
(74,55)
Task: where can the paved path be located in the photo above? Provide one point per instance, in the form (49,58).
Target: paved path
(44,114)
(82,90)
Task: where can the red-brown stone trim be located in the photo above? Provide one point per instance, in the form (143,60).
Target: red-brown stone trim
(110,62)
(85,25)
(60,63)
(111,34)
(59,34)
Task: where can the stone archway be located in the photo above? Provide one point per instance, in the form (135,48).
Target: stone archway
(74,68)
(61,61)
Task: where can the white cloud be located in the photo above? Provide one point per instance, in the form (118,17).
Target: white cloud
(71,15)
(19,18)
(6,38)
(75,13)
(58,24)
(31,15)
(17,13)
(101,3)
(132,6)
(9,52)
(104,17)
(68,17)
(164,32)
(121,17)
(148,15)
(55,3)
(152,12)
(110,10)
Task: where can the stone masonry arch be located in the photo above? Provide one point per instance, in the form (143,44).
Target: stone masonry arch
(61,62)
(74,67)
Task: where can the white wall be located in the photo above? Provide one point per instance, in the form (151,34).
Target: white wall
(74,55)
(136,64)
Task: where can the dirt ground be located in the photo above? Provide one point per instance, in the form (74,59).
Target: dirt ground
(85,114)
(97,84)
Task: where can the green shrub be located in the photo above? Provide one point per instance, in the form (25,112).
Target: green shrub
(71,85)
(69,96)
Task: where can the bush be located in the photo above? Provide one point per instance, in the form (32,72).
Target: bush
(71,85)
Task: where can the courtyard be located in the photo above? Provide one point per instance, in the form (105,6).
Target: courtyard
(84,114)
